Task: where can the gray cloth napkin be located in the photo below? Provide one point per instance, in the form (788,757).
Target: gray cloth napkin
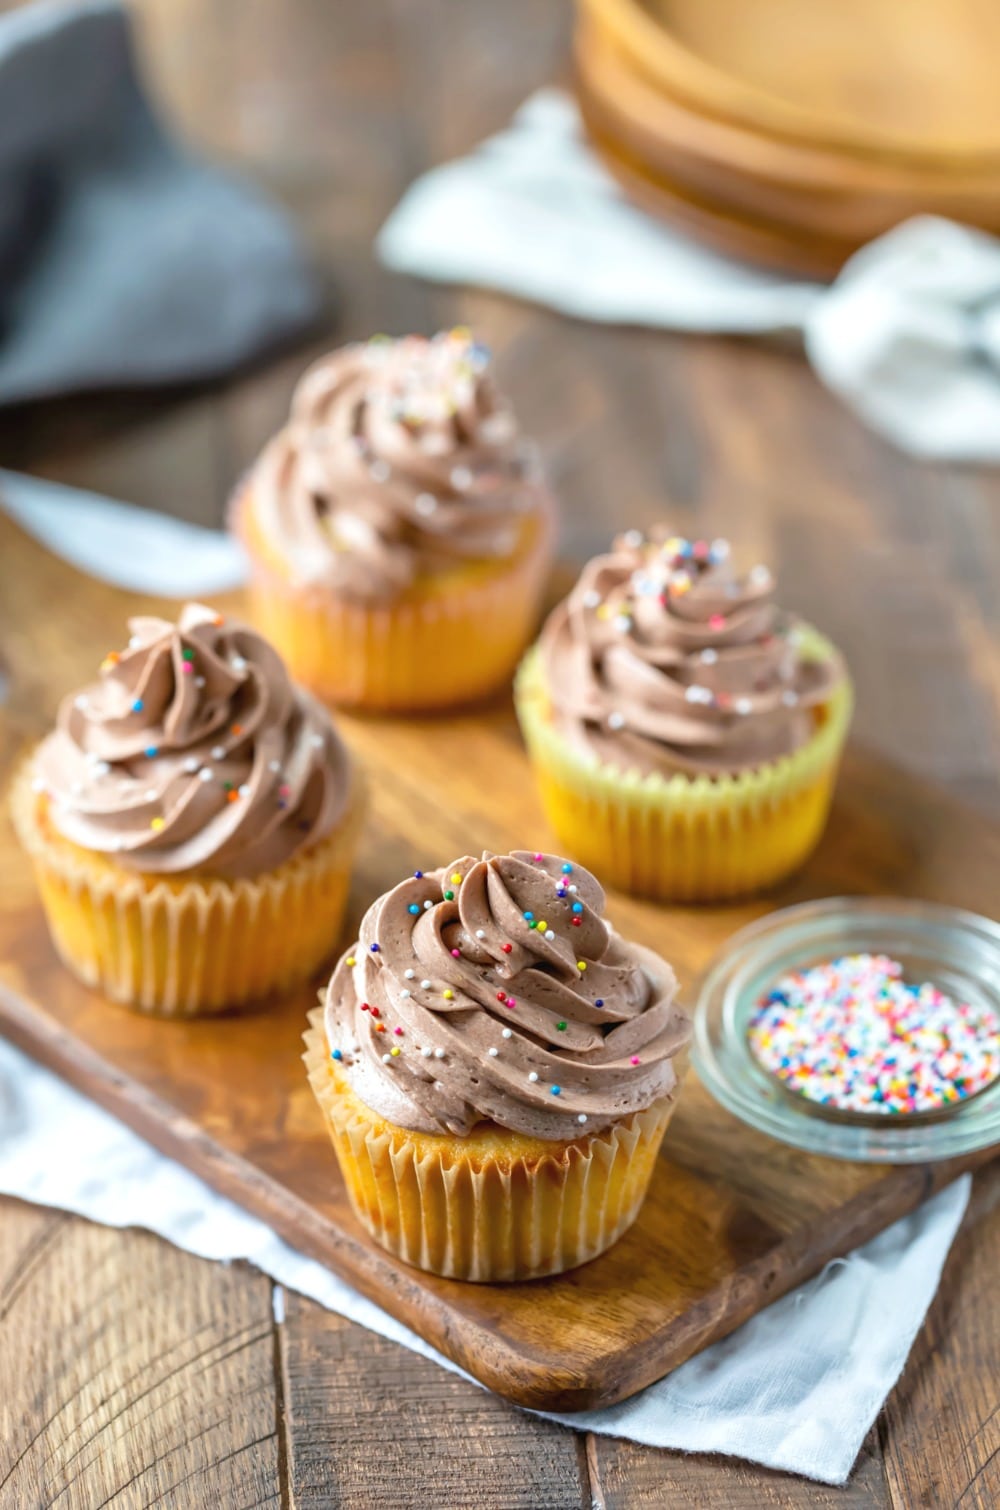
(123,259)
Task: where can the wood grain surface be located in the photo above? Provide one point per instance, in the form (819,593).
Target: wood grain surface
(336,108)
(734,1219)
(110,1417)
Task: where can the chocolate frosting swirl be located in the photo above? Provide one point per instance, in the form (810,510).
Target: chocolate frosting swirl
(400,459)
(194,751)
(663,659)
(494,990)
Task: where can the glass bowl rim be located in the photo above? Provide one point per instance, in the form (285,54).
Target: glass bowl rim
(728,1070)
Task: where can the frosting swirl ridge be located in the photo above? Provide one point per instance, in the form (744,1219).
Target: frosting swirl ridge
(194,751)
(663,659)
(400,458)
(494,990)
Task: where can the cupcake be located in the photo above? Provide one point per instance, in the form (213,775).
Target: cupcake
(685,731)
(496,1068)
(192,821)
(398,532)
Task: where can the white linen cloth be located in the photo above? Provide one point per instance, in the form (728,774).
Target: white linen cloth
(119,543)
(795,1388)
(908,335)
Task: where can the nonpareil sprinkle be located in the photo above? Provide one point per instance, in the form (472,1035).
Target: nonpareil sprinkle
(853,1034)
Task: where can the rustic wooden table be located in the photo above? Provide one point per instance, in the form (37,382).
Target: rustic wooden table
(132,1375)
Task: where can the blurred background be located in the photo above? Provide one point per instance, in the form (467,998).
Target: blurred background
(334,109)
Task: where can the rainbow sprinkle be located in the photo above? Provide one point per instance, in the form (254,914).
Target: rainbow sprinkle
(852,1034)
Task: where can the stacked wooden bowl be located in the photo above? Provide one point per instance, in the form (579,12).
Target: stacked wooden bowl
(791,132)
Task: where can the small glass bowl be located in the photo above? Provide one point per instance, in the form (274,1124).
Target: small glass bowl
(958,951)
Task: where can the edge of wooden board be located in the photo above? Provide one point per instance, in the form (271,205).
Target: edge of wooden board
(531,1380)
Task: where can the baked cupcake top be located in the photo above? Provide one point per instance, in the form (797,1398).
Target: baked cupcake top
(400,460)
(194,751)
(664,659)
(494,990)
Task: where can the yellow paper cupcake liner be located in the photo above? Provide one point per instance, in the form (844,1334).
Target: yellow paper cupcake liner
(449,640)
(491,1206)
(188,945)
(680,839)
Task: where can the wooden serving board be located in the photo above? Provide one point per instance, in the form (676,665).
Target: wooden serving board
(733,1219)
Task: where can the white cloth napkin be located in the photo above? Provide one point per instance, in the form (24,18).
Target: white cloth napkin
(795,1388)
(908,335)
(118,543)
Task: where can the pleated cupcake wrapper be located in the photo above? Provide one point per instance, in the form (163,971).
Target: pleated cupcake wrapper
(190,947)
(419,653)
(679,838)
(490,1220)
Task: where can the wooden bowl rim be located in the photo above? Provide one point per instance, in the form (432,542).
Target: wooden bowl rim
(662,57)
(769,246)
(737,148)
